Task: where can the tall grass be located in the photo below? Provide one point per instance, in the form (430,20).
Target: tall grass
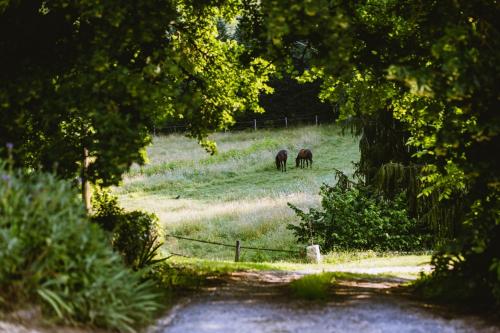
(238,193)
(314,286)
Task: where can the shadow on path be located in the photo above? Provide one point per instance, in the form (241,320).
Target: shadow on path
(251,302)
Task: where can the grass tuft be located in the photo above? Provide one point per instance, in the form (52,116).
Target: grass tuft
(314,286)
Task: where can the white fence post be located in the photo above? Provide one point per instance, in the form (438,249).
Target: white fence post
(313,254)
(255,124)
(316,118)
(286,122)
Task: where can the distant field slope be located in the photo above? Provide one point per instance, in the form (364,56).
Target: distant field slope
(238,193)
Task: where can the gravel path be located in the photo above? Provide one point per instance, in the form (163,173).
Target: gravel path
(260,302)
(256,302)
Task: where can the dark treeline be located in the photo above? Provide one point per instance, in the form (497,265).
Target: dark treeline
(298,102)
(293,100)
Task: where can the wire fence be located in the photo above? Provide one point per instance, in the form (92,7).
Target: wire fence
(237,247)
(256,124)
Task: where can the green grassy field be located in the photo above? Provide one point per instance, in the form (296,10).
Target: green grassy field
(238,193)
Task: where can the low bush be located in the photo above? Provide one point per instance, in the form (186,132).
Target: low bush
(355,217)
(135,235)
(52,256)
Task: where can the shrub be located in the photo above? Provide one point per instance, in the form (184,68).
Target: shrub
(51,255)
(354,217)
(135,235)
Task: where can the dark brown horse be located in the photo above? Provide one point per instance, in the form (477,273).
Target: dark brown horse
(305,156)
(281,160)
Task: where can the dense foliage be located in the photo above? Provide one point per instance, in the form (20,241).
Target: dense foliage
(135,235)
(434,66)
(51,255)
(299,102)
(84,83)
(354,217)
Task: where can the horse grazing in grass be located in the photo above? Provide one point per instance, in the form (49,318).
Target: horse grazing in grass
(281,160)
(305,156)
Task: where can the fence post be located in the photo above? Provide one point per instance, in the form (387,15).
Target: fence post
(154,130)
(316,118)
(237,254)
(255,124)
(286,122)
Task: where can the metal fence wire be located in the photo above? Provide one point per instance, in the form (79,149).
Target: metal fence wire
(255,124)
(237,246)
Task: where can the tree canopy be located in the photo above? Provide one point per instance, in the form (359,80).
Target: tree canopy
(79,76)
(433,66)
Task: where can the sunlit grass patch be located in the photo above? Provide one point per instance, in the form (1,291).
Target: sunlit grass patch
(394,260)
(401,265)
(191,273)
(345,266)
(218,267)
(376,259)
(314,286)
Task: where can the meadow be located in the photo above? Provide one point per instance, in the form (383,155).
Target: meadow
(237,193)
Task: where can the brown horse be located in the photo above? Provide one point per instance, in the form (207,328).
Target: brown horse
(281,160)
(305,155)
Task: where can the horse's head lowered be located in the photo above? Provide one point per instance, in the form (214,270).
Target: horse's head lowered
(300,156)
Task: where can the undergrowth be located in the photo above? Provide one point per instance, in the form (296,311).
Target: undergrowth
(51,255)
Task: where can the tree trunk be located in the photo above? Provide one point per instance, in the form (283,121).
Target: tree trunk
(86,191)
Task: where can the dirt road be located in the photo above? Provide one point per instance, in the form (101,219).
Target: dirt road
(252,302)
